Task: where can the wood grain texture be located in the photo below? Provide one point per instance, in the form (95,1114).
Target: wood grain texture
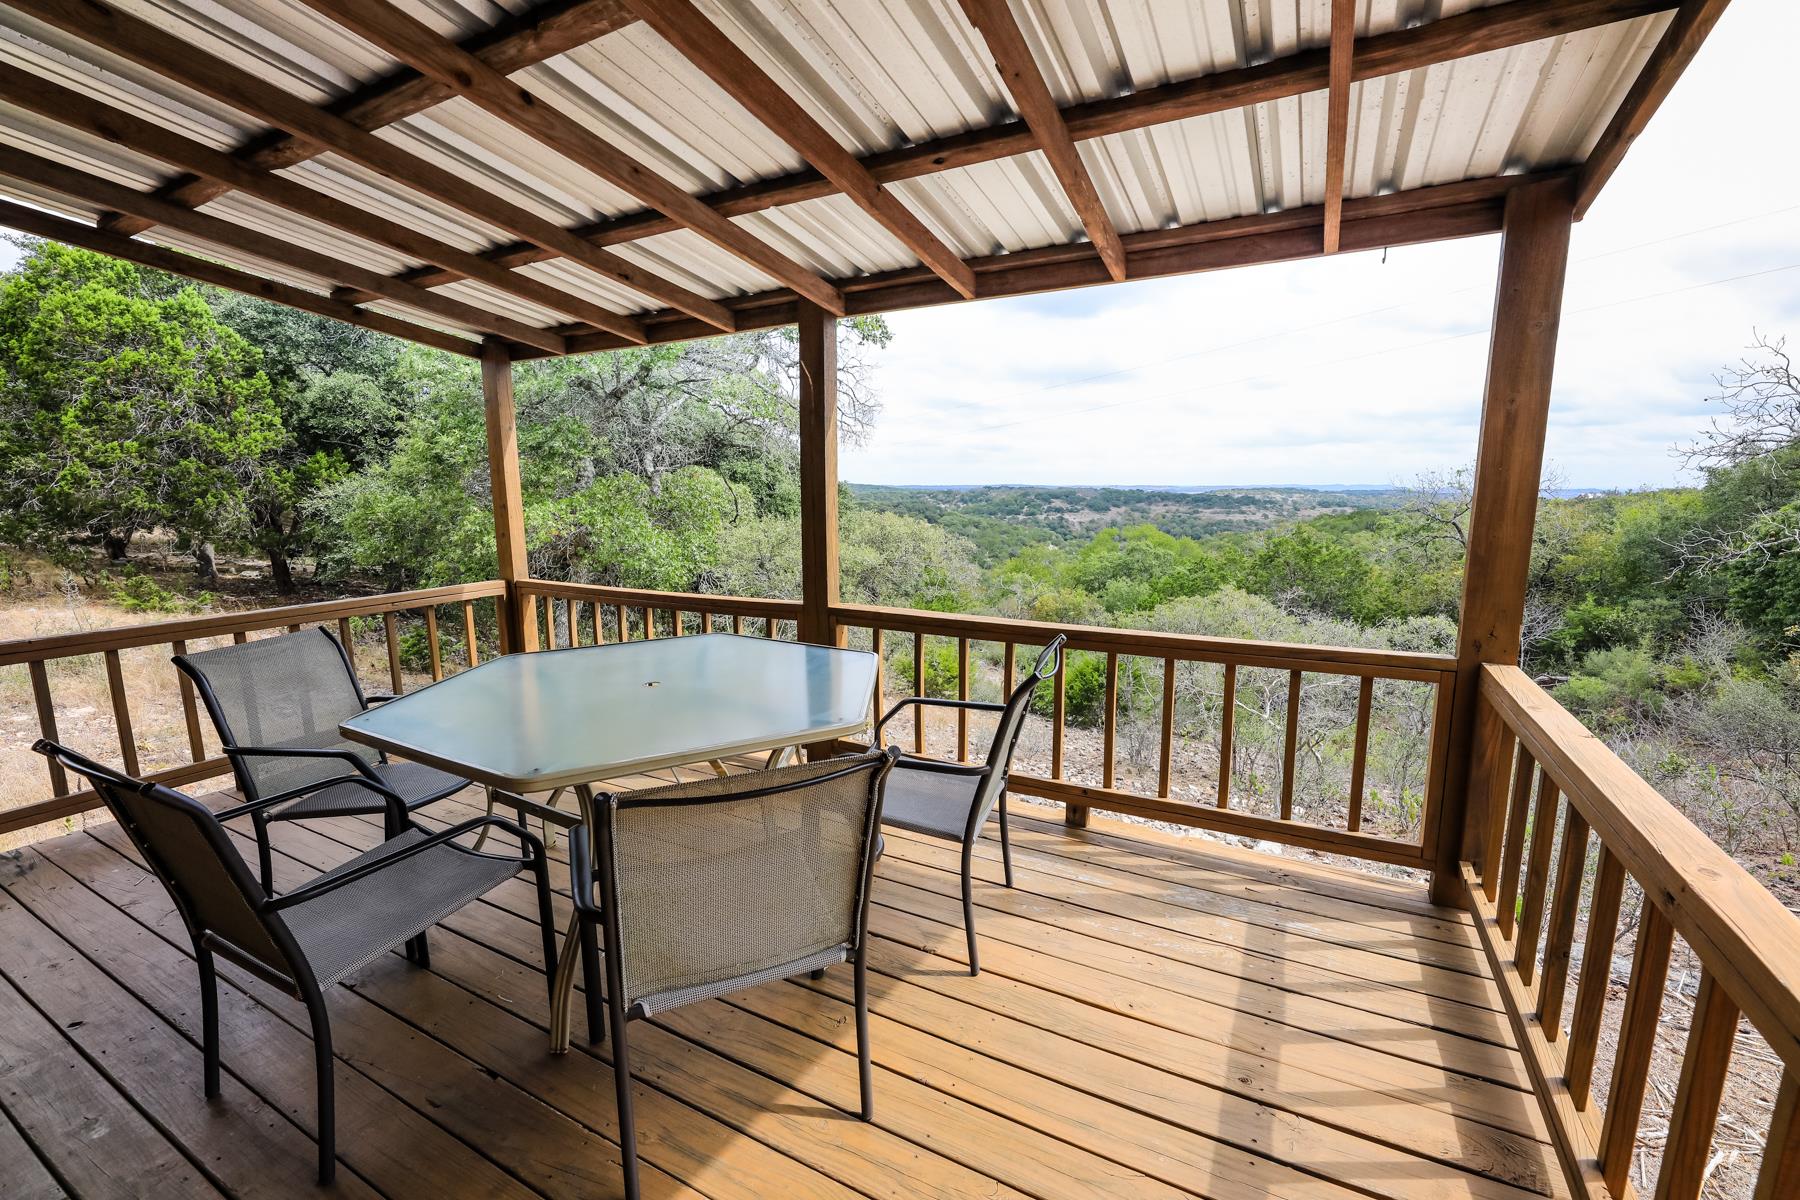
(1337,117)
(819,565)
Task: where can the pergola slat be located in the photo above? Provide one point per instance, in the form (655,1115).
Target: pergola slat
(537,34)
(74,233)
(104,192)
(702,43)
(418,45)
(1337,122)
(993,19)
(135,133)
(1479,31)
(129,37)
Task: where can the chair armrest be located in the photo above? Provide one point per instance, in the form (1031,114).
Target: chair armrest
(973,705)
(317,888)
(581,872)
(378,698)
(365,776)
(937,766)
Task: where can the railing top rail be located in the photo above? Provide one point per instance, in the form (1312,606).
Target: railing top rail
(641,597)
(1341,660)
(64,645)
(1742,933)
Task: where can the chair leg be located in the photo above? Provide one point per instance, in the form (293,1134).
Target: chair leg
(865,1073)
(546,925)
(621,1057)
(590,982)
(265,858)
(968,889)
(421,950)
(1005,841)
(327,1111)
(818,973)
(209,1022)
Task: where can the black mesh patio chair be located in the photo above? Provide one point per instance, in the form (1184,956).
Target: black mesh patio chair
(276,703)
(320,933)
(953,800)
(715,886)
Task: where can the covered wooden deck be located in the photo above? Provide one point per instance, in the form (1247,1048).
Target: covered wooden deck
(1157,1016)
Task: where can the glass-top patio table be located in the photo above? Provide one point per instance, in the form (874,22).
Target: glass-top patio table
(575,717)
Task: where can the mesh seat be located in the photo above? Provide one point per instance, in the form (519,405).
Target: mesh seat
(414,783)
(928,802)
(347,929)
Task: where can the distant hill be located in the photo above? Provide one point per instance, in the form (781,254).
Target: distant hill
(1003,519)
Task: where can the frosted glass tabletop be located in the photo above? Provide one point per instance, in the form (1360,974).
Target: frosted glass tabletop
(532,722)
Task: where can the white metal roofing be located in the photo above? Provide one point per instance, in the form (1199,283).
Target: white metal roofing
(878,74)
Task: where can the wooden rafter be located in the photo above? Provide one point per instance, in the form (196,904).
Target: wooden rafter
(73,233)
(993,19)
(702,43)
(419,46)
(1680,41)
(537,34)
(169,56)
(80,185)
(126,129)
(1497,27)
(1337,122)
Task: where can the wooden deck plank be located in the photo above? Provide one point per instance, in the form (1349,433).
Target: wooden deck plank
(552,1155)
(245,1145)
(64,1112)
(1157,1016)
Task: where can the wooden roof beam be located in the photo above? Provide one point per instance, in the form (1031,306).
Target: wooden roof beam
(416,44)
(1337,120)
(1478,31)
(993,19)
(1680,41)
(126,129)
(46,225)
(702,43)
(105,25)
(81,185)
(539,33)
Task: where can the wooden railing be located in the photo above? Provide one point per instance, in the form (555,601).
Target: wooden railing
(1541,772)
(585,614)
(1019,641)
(39,654)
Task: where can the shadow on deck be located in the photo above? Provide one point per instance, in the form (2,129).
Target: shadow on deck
(1157,1016)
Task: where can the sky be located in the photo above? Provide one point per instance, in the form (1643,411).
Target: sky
(1365,369)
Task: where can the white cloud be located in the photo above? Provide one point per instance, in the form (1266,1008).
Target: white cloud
(1356,370)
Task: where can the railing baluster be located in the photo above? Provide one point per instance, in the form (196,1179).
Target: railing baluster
(737,624)
(1557,944)
(240,637)
(1596,976)
(594,622)
(675,622)
(392,627)
(624,623)
(344,640)
(469,632)
(1227,729)
(1359,752)
(46,714)
(875,640)
(1110,720)
(962,693)
(706,622)
(918,715)
(1779,1177)
(1506,910)
(1008,666)
(189,711)
(771,627)
(1704,1066)
(649,623)
(1537,876)
(1637,1040)
(1290,748)
(1492,754)
(1059,711)
(1166,746)
(431,640)
(569,619)
(121,707)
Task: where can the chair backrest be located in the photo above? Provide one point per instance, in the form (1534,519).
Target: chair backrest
(719,879)
(187,849)
(286,691)
(1011,725)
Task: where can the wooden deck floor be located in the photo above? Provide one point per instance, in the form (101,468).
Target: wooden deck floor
(1156,1017)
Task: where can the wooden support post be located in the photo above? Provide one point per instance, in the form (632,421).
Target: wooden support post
(818,476)
(518,623)
(1534,253)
